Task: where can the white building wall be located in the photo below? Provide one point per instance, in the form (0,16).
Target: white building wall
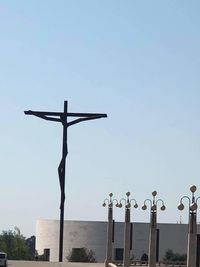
(47,236)
(140,239)
(77,234)
(92,235)
(173,236)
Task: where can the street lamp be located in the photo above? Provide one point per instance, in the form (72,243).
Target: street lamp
(127,227)
(110,233)
(192,233)
(153,226)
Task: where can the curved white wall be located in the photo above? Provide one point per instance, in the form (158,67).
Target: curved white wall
(92,235)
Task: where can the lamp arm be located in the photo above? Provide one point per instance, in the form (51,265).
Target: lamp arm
(181,201)
(197,199)
(122,199)
(159,200)
(133,199)
(146,200)
(106,200)
(115,200)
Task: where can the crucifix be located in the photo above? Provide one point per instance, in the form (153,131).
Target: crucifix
(62,117)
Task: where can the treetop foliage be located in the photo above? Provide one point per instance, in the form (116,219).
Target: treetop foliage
(81,255)
(15,245)
(170,256)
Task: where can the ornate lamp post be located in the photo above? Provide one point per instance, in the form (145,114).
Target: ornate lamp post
(127,227)
(153,226)
(110,233)
(192,233)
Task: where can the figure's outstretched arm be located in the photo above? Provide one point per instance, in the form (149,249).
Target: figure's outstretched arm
(83,119)
(45,115)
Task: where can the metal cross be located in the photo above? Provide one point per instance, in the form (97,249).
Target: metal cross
(63,118)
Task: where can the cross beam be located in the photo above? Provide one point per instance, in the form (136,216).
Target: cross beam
(62,117)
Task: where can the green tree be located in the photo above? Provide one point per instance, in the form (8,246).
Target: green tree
(170,256)
(81,255)
(14,244)
(30,242)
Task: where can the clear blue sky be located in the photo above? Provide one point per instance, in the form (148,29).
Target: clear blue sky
(137,61)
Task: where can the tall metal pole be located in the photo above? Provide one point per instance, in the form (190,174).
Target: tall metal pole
(109,236)
(192,240)
(62,117)
(61,173)
(127,231)
(153,227)
(127,227)
(110,230)
(192,231)
(152,240)
(192,235)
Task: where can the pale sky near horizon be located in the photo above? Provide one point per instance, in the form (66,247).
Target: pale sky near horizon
(137,61)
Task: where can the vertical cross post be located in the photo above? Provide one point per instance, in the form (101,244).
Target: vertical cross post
(61,173)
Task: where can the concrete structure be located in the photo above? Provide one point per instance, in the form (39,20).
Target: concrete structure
(93,235)
(14,263)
